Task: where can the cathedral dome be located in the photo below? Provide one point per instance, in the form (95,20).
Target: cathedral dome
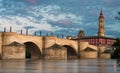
(81,34)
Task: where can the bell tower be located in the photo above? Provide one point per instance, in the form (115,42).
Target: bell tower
(101,31)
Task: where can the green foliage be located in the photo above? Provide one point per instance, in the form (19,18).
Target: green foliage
(117,43)
(116,53)
(118,16)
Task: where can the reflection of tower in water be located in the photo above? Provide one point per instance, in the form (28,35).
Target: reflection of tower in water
(114,66)
(106,66)
(101,67)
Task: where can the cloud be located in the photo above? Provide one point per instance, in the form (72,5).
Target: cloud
(19,23)
(34,23)
(53,13)
(32,1)
(59,15)
(113,27)
(107,1)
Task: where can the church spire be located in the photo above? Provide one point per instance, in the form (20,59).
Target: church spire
(101,31)
(101,12)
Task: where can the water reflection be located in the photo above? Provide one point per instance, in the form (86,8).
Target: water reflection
(60,66)
(118,65)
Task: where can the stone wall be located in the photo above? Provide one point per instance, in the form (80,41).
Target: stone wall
(56,52)
(101,48)
(88,54)
(105,56)
(14,52)
(83,45)
(7,38)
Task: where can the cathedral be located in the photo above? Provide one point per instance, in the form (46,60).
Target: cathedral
(100,39)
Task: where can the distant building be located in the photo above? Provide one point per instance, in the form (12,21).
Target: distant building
(81,34)
(101,39)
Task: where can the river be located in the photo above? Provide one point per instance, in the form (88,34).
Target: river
(60,66)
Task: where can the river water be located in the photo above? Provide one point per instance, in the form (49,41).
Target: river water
(60,66)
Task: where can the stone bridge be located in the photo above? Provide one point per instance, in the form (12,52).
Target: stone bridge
(39,43)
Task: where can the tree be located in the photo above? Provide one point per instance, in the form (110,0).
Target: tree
(116,53)
(118,16)
(117,43)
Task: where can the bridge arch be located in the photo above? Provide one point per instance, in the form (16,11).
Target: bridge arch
(32,50)
(71,53)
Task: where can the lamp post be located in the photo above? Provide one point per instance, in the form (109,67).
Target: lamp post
(4,29)
(21,31)
(10,29)
(40,33)
(62,35)
(26,31)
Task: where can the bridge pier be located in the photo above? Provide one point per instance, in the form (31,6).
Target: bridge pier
(103,53)
(44,46)
(78,49)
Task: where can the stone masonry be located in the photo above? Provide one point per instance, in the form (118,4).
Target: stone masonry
(40,43)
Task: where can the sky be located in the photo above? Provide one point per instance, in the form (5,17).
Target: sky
(65,17)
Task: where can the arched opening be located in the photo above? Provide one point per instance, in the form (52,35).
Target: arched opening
(32,51)
(71,53)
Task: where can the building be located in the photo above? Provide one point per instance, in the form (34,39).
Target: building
(100,39)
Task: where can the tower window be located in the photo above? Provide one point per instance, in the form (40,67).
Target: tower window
(101,21)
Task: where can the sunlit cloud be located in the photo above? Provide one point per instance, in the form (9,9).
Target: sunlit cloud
(108,1)
(67,16)
(32,1)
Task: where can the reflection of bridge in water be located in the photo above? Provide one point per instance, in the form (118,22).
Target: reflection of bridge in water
(38,44)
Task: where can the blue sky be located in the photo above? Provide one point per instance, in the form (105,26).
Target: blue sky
(59,16)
